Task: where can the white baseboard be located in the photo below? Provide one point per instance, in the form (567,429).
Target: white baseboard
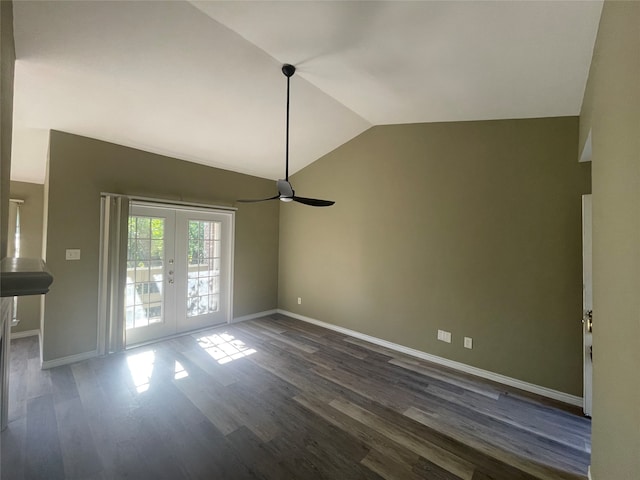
(203,329)
(26,333)
(57,362)
(253,316)
(478,372)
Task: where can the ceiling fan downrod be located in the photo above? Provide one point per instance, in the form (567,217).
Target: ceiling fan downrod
(285,190)
(288,71)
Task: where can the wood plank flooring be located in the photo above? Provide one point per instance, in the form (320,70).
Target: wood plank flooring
(276,398)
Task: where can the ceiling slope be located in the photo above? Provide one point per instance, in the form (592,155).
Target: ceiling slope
(430,61)
(201,81)
(164,77)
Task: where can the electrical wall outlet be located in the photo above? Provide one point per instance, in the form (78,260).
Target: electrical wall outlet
(299,300)
(468,342)
(444,336)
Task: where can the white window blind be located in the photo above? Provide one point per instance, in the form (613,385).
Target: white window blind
(13,247)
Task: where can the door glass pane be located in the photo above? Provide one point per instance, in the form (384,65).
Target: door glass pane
(145,271)
(203,272)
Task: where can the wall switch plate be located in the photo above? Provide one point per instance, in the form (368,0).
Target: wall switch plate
(299,300)
(468,342)
(444,336)
(72,254)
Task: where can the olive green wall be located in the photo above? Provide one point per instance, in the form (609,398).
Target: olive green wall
(7,62)
(80,168)
(611,110)
(469,227)
(30,246)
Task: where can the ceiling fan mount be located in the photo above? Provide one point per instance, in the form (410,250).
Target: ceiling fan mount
(288,70)
(285,190)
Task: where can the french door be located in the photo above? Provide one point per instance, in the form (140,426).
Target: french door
(178,271)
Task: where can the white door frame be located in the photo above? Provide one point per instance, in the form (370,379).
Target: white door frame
(587,304)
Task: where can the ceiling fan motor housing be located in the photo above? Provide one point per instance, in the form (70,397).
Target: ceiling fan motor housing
(285,189)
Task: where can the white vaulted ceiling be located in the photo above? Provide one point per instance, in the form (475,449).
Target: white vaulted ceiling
(201,81)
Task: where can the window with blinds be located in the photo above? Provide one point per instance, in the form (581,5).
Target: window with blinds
(13,244)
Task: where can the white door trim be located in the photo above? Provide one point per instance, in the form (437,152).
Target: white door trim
(170,203)
(587,304)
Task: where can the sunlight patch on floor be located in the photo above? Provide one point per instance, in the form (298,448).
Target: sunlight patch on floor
(179,371)
(224,348)
(141,368)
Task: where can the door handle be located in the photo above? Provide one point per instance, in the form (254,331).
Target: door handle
(170,274)
(588,319)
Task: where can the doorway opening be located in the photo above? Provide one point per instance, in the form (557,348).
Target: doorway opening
(178,271)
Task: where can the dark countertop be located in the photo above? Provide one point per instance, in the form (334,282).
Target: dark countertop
(24,276)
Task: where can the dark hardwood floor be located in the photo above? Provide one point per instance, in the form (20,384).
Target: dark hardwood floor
(276,398)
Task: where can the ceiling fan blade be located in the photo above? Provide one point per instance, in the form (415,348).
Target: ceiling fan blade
(259,200)
(314,202)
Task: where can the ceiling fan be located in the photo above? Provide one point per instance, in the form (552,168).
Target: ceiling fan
(285,190)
